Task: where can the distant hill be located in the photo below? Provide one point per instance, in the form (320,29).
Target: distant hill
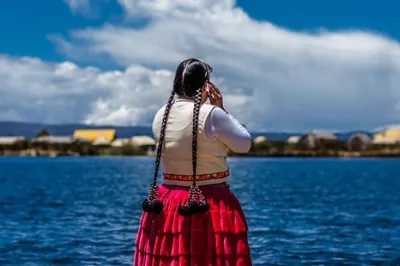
(29,130)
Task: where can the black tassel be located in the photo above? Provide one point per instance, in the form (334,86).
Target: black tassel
(194,204)
(147,206)
(204,207)
(189,209)
(157,206)
(152,204)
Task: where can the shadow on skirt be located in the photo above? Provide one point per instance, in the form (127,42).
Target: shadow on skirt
(216,238)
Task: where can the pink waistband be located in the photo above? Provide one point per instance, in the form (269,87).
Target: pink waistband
(203,177)
(220,185)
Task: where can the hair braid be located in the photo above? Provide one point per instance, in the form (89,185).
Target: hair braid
(196,112)
(196,201)
(162,136)
(152,204)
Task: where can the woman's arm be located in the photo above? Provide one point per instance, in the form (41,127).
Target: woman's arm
(228,130)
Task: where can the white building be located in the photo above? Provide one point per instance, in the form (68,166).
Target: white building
(10,140)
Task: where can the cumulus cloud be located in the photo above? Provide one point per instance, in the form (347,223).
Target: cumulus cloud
(272,78)
(34,90)
(181,8)
(277,79)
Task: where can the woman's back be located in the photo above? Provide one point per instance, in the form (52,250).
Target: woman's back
(177,150)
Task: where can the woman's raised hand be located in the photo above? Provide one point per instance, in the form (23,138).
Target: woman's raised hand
(215,95)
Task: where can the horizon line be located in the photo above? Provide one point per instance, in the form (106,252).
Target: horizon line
(378,129)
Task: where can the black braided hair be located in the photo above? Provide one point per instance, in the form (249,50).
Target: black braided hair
(152,204)
(196,112)
(196,201)
(190,77)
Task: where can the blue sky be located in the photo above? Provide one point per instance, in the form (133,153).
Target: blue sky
(371,15)
(315,64)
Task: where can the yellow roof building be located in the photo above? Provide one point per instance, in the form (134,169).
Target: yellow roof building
(96,135)
(390,136)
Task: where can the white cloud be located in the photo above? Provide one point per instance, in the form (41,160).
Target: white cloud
(33,90)
(181,8)
(284,79)
(272,78)
(87,8)
(78,6)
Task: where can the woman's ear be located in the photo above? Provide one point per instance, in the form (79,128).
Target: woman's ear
(204,92)
(204,89)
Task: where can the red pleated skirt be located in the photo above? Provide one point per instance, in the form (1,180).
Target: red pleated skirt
(215,238)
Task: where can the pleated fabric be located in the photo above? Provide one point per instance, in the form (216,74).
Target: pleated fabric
(215,238)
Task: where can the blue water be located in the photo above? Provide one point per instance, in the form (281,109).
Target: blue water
(85,211)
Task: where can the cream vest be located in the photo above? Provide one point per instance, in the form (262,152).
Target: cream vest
(212,167)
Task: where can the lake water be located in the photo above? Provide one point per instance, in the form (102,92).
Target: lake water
(85,211)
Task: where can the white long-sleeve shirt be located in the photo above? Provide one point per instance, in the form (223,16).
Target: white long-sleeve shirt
(228,130)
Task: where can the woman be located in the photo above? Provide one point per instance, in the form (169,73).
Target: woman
(194,221)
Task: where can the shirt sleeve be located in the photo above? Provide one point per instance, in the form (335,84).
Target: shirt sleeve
(228,130)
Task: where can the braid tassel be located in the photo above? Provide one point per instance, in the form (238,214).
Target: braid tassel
(152,204)
(195,203)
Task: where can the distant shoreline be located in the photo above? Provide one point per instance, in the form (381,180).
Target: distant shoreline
(385,153)
(324,154)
